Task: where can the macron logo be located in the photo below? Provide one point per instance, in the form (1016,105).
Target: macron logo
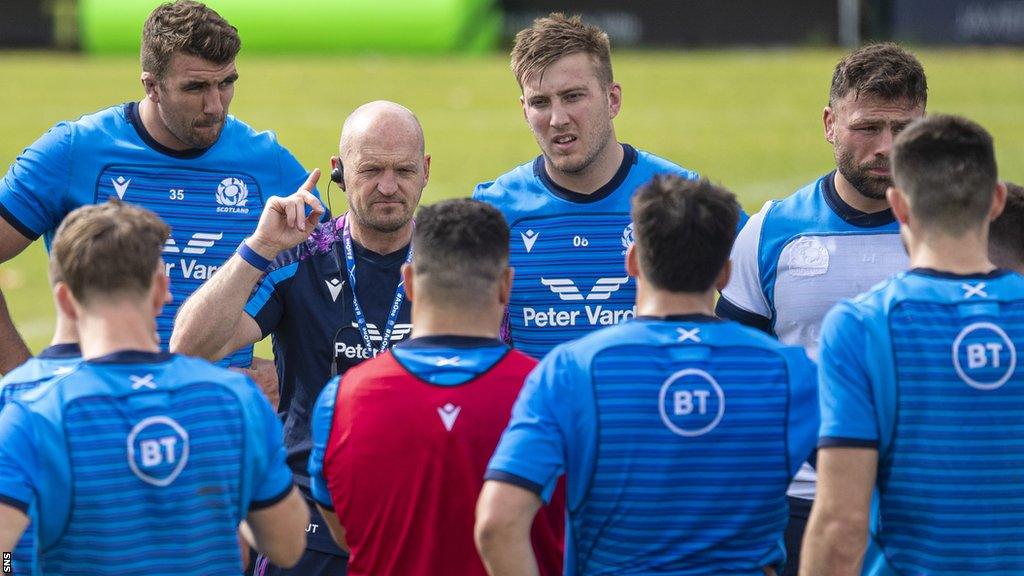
(197,245)
(121,186)
(567,290)
(529,239)
(334,286)
(448,413)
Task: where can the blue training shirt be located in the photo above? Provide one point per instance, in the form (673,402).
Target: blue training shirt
(142,463)
(568,249)
(924,368)
(678,438)
(211,198)
(52,362)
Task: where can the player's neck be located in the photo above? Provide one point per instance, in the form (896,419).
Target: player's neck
(106,329)
(855,199)
(445,321)
(967,254)
(651,301)
(381,242)
(155,127)
(65,331)
(599,173)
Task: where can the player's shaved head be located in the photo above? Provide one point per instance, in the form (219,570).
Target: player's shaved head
(946,166)
(380,119)
(461,253)
(684,231)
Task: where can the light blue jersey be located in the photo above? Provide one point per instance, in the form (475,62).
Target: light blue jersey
(211,198)
(568,249)
(924,368)
(142,463)
(798,256)
(678,438)
(52,362)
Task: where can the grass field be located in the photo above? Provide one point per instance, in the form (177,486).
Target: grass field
(748,119)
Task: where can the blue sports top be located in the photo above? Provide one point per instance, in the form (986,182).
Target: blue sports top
(678,437)
(142,463)
(924,369)
(568,249)
(211,197)
(54,361)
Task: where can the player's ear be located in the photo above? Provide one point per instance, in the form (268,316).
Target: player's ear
(160,292)
(828,118)
(998,201)
(149,83)
(614,99)
(522,105)
(899,203)
(506,285)
(632,262)
(408,277)
(723,276)
(65,300)
(426,169)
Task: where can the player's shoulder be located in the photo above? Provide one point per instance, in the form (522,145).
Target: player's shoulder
(803,208)
(237,133)
(651,164)
(507,190)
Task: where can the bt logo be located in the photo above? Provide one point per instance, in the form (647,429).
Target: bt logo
(984,357)
(157,450)
(691,403)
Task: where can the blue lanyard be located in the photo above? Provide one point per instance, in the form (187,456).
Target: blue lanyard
(350,263)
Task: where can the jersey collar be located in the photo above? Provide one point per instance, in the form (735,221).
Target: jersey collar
(132,357)
(131,111)
(850,214)
(629,158)
(997,273)
(60,351)
(681,318)
(451,341)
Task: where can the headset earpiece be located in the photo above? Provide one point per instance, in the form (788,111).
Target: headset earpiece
(338,175)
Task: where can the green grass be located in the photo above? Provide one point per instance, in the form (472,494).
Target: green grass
(748,119)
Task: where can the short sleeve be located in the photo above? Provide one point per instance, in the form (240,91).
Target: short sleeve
(266,304)
(804,417)
(19,465)
(531,452)
(33,190)
(274,482)
(744,298)
(848,416)
(323,418)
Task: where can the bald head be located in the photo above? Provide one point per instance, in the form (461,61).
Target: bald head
(385,166)
(380,120)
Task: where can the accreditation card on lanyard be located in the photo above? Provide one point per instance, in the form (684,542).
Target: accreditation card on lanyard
(396,305)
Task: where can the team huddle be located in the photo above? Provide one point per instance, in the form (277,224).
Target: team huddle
(598,364)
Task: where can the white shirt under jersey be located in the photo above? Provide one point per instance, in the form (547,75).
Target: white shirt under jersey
(798,257)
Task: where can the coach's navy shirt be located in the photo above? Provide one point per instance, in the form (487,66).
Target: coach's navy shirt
(305,303)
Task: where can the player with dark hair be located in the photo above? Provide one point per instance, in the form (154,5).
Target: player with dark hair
(176,152)
(837,236)
(662,477)
(568,209)
(920,392)
(57,359)
(1006,234)
(401,443)
(139,461)
(331,296)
